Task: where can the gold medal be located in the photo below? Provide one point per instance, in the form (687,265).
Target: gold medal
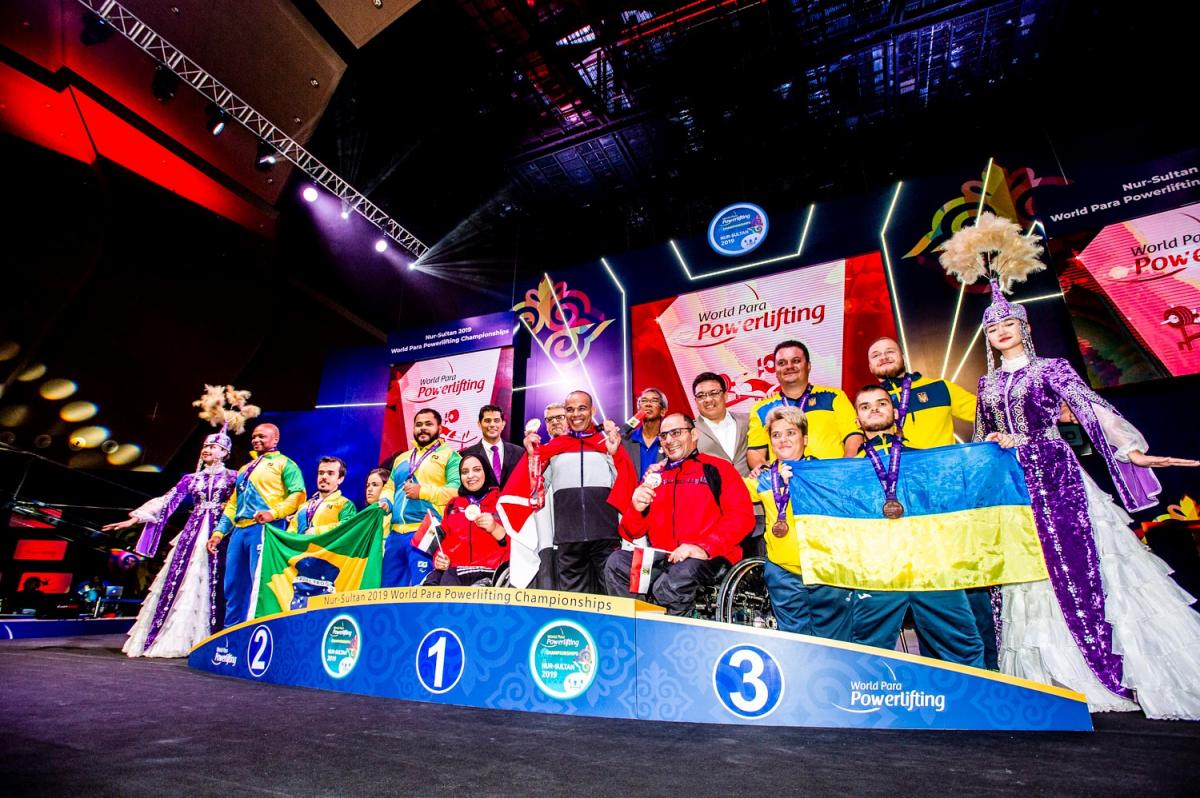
(892,509)
(779,528)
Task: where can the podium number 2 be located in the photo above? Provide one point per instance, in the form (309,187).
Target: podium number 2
(440,660)
(260,650)
(748,681)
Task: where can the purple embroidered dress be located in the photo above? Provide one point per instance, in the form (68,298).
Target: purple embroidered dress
(1110,623)
(178,611)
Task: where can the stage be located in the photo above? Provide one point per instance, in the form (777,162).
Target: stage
(156,727)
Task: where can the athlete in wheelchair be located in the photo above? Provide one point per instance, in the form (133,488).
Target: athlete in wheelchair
(693,510)
(473,547)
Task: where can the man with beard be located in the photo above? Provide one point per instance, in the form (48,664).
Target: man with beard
(831,428)
(588,478)
(925,407)
(925,413)
(328,507)
(423,480)
(268,489)
(695,510)
(943,618)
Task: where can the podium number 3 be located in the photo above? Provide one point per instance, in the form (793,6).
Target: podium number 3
(748,681)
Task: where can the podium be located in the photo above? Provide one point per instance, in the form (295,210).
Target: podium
(602,656)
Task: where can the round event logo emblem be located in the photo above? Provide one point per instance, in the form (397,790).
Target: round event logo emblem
(340,646)
(562,659)
(748,681)
(737,229)
(259,651)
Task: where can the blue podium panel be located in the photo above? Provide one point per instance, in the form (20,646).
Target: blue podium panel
(566,653)
(536,651)
(714,673)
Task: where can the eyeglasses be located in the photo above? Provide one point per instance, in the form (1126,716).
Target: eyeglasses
(700,397)
(553,419)
(649,400)
(669,434)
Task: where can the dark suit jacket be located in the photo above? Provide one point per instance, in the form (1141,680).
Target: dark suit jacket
(510,452)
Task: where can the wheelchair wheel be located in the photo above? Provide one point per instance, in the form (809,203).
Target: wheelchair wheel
(743,598)
(500,578)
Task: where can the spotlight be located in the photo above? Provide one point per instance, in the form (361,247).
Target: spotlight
(164,84)
(95,29)
(216,119)
(381,245)
(345,211)
(267,157)
(310,194)
(412,264)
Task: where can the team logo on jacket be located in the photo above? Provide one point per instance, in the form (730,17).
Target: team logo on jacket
(922,397)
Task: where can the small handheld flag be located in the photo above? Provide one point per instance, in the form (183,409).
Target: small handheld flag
(429,535)
(648,564)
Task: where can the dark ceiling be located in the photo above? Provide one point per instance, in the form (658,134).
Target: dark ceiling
(582,128)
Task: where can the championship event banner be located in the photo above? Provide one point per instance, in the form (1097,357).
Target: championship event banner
(456,386)
(732,330)
(1146,274)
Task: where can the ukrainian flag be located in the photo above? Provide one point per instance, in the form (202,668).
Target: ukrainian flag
(294,568)
(967,521)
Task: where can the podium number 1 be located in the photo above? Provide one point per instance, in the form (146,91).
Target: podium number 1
(440,660)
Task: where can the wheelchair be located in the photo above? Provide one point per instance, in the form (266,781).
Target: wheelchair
(738,595)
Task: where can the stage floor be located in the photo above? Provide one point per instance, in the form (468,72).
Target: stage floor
(77,717)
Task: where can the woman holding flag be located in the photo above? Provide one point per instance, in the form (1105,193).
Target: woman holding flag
(473,542)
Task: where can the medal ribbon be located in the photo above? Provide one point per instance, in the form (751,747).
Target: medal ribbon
(902,404)
(244,477)
(890,477)
(414,462)
(780,490)
(312,508)
(799,402)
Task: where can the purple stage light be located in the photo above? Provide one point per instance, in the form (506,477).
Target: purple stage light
(310,194)
(381,245)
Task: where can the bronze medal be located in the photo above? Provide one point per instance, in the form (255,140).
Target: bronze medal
(892,509)
(779,528)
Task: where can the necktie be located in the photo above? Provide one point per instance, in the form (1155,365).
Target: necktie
(496,461)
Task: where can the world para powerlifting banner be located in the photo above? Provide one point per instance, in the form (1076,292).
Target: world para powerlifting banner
(294,568)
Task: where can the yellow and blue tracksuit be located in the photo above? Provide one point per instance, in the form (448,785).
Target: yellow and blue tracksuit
(326,514)
(819,610)
(437,474)
(270,481)
(943,618)
(831,419)
(932,407)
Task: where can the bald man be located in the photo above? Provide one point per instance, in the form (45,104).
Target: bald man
(268,489)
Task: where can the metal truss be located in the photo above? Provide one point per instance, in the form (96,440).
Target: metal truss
(132,28)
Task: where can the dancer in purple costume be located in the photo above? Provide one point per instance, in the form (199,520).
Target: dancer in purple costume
(1110,622)
(178,611)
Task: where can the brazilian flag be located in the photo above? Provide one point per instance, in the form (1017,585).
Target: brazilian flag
(967,521)
(294,568)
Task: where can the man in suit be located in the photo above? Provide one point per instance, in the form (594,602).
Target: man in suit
(724,434)
(498,455)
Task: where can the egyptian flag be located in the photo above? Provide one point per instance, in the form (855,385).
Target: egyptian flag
(648,564)
(519,484)
(429,535)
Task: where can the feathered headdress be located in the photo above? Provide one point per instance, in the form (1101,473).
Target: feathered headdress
(226,407)
(994,248)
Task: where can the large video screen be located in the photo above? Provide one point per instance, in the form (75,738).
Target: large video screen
(836,309)
(1134,296)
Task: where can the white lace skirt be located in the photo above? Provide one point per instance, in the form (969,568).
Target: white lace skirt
(187,623)
(1155,631)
